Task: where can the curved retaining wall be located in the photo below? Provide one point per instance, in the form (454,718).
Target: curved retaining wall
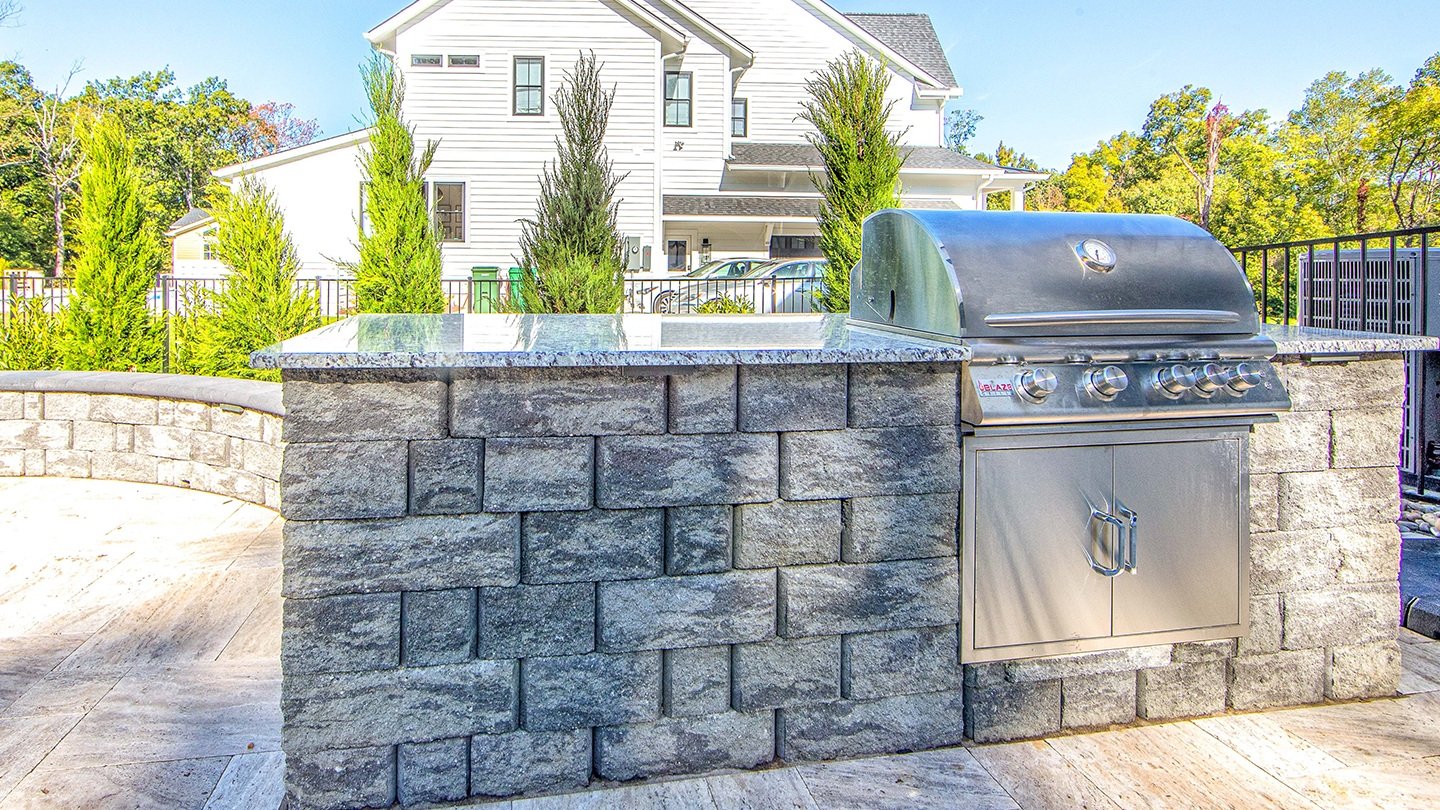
(206,433)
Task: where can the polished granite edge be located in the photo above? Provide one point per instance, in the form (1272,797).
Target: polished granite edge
(1309,340)
(575,341)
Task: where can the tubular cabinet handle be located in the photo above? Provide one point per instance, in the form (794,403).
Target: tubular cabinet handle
(1132,521)
(1106,517)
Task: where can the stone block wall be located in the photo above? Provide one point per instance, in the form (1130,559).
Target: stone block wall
(518,580)
(213,447)
(1324,603)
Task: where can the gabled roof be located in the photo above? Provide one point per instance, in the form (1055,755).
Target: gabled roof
(804,156)
(901,61)
(913,35)
(359,136)
(384,33)
(194,218)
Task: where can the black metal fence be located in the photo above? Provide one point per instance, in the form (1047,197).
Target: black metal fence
(178,295)
(1372,282)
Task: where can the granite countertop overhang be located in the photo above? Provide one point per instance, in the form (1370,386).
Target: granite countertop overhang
(578,341)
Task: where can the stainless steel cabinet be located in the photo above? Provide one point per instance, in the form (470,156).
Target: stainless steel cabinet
(1101,539)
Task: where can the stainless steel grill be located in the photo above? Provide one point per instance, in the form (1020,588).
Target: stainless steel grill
(1118,368)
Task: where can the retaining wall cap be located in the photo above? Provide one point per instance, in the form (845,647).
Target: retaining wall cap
(255,395)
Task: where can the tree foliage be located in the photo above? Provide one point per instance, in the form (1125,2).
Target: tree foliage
(274,127)
(960,126)
(862,157)
(108,322)
(399,244)
(259,305)
(571,248)
(30,335)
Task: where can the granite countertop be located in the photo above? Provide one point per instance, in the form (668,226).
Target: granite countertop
(1292,340)
(539,341)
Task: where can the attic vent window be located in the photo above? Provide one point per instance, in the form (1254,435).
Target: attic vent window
(426,60)
(470,60)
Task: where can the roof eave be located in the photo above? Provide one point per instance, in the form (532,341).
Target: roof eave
(291,155)
(857,31)
(178,232)
(756,167)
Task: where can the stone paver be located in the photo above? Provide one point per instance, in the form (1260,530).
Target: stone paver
(139,667)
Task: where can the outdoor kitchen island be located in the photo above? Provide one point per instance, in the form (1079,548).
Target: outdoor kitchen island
(528,554)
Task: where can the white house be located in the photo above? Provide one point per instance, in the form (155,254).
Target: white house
(704,126)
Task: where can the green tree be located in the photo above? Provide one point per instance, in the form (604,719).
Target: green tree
(1325,141)
(26,236)
(848,109)
(571,248)
(30,336)
(960,126)
(108,324)
(1044,195)
(1405,143)
(399,245)
(259,305)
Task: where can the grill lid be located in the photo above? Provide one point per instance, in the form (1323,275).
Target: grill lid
(1019,275)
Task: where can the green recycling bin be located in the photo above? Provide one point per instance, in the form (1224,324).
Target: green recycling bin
(484,289)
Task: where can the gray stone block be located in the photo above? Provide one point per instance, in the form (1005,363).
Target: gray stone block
(1334,617)
(853,728)
(1091,663)
(34,434)
(826,599)
(122,409)
(439,627)
(445,477)
(378,405)
(92,435)
(1266,626)
(12,463)
(697,470)
(531,620)
(689,745)
(698,539)
(1292,561)
(67,463)
(1288,678)
(12,405)
(1193,652)
(1365,438)
(341,633)
(1012,711)
(525,761)
(703,400)
(340,779)
(785,672)
(436,771)
(135,467)
(1370,383)
(556,402)
(330,557)
(991,674)
(1422,616)
(1363,671)
(870,461)
(901,527)
(895,395)
(212,448)
(780,398)
(1317,500)
(1090,701)
(768,535)
(696,611)
(539,475)
(601,544)
(344,480)
(1264,503)
(1368,552)
(162,441)
(61,405)
(1182,690)
(579,691)
(900,662)
(1299,442)
(239,424)
(696,681)
(385,707)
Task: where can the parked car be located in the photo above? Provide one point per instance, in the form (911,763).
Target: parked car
(783,285)
(662,294)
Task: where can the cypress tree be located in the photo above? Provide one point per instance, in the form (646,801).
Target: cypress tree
(571,248)
(108,323)
(399,268)
(848,109)
(259,304)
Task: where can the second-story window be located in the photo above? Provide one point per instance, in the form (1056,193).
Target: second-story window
(426,60)
(470,60)
(529,85)
(678,106)
(740,117)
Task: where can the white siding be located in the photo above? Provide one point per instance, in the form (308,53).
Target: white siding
(791,43)
(500,156)
(698,166)
(320,197)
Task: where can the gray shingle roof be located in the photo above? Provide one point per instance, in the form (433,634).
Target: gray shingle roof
(913,37)
(803,154)
(739,205)
(193,216)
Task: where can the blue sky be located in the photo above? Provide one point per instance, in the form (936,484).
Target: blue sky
(1051,78)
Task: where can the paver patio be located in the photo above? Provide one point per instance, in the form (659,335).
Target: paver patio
(139,668)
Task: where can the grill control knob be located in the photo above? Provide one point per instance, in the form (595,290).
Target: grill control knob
(1244,377)
(1107,382)
(1037,384)
(1212,377)
(1176,380)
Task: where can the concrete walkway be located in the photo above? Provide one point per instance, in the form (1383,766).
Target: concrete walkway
(139,647)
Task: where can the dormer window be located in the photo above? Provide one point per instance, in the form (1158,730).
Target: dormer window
(678,94)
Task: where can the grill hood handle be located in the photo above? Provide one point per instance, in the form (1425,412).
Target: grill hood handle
(1111,316)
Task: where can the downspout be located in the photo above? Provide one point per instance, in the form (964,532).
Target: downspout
(980,191)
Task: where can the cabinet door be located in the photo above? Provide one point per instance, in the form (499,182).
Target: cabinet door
(1187,572)
(1032,528)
